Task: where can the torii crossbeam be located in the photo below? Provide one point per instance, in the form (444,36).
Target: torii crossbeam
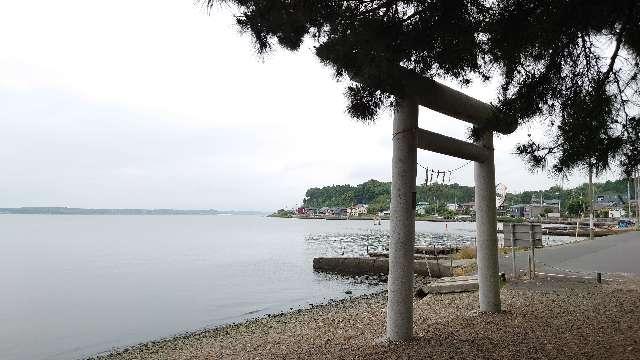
(407,138)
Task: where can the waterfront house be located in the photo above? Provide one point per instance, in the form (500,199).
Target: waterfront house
(421,208)
(537,210)
(311,211)
(517,210)
(468,206)
(609,200)
(357,210)
(339,211)
(617,213)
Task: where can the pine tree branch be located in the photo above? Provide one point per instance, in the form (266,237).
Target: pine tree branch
(619,40)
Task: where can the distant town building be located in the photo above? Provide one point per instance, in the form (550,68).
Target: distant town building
(468,206)
(609,200)
(537,210)
(452,207)
(517,210)
(617,213)
(421,208)
(339,211)
(357,210)
(307,211)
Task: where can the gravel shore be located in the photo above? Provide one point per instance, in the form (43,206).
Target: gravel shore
(544,319)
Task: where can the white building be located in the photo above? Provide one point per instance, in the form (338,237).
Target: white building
(421,208)
(452,207)
(357,210)
(617,213)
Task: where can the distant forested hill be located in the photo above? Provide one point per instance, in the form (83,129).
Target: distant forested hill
(81,211)
(378,194)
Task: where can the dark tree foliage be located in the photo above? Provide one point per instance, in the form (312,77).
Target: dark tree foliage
(573,64)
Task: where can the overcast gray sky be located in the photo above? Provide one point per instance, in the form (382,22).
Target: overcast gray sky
(155,104)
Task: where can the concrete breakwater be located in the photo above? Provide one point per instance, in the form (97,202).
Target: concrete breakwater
(380,265)
(425,252)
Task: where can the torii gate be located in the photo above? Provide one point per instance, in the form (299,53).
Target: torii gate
(407,138)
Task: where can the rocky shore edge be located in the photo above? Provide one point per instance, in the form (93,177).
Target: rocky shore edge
(548,318)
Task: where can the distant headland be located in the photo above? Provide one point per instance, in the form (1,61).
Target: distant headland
(83,211)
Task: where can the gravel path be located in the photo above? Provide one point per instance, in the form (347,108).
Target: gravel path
(547,319)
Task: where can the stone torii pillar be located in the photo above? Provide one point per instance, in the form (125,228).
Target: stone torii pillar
(403,217)
(407,137)
(486,227)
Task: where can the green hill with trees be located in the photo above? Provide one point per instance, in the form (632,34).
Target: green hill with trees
(377,194)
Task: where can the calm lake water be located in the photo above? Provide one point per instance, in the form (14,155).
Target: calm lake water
(74,286)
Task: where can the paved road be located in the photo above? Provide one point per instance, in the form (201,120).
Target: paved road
(612,254)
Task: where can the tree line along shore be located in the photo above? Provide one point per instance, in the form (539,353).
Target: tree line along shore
(436,199)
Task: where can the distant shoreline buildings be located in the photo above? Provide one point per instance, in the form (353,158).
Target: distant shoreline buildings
(606,206)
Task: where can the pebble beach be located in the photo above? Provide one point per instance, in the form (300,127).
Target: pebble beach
(547,318)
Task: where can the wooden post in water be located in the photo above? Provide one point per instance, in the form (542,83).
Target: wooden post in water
(590,202)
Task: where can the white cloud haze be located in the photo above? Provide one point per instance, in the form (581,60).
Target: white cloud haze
(155,104)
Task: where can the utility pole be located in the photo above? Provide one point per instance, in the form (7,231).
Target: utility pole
(541,208)
(628,199)
(590,190)
(560,195)
(637,190)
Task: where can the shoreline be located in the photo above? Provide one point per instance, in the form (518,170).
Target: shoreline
(144,346)
(449,326)
(234,325)
(503,219)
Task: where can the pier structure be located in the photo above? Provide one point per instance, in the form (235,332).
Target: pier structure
(411,92)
